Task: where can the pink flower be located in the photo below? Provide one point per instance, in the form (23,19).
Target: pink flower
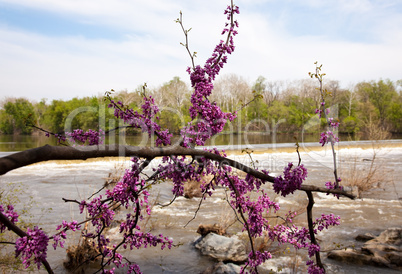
(34,245)
(292,180)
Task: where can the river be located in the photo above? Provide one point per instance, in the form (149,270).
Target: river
(378,209)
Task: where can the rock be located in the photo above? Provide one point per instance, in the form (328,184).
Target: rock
(215,228)
(390,236)
(384,251)
(351,256)
(221,268)
(364,237)
(222,248)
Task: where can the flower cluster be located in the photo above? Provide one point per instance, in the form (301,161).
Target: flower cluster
(210,118)
(255,210)
(299,237)
(331,185)
(292,180)
(325,221)
(144,121)
(10,214)
(99,212)
(91,136)
(131,190)
(332,124)
(328,136)
(257,258)
(128,189)
(33,245)
(140,239)
(313,268)
(60,137)
(57,238)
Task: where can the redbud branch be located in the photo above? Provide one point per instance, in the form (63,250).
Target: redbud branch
(180,21)
(14,228)
(236,191)
(47,152)
(311,227)
(229,34)
(331,137)
(234,209)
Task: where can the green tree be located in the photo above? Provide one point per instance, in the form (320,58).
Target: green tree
(300,111)
(380,94)
(16,116)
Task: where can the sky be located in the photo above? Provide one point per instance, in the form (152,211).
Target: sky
(75,48)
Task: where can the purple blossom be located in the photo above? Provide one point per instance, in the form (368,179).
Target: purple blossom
(325,221)
(57,238)
(90,137)
(292,180)
(10,214)
(328,136)
(312,249)
(331,185)
(313,268)
(210,118)
(133,268)
(33,245)
(144,121)
(257,258)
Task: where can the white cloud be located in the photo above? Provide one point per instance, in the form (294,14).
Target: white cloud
(68,67)
(37,66)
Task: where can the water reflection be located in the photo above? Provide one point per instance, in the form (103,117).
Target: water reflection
(228,141)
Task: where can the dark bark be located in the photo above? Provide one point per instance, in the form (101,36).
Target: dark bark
(47,153)
(311,227)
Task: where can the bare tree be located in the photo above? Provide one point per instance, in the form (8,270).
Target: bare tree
(231,90)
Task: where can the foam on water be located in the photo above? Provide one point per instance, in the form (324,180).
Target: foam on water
(48,182)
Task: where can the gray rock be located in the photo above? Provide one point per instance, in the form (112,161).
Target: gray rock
(222,248)
(221,268)
(384,251)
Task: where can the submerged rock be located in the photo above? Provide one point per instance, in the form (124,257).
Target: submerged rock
(222,248)
(384,251)
(221,268)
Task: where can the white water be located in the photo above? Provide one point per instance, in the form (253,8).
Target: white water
(380,208)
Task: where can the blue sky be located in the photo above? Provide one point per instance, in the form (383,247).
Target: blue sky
(68,48)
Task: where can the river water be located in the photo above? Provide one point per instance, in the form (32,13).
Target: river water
(377,210)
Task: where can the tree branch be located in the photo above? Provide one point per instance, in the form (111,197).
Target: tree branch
(47,153)
(4,220)
(311,227)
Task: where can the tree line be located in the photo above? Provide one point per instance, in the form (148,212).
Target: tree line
(286,106)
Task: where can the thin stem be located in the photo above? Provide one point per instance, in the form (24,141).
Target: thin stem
(180,21)
(319,76)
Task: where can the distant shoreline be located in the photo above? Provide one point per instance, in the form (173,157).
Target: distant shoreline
(312,146)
